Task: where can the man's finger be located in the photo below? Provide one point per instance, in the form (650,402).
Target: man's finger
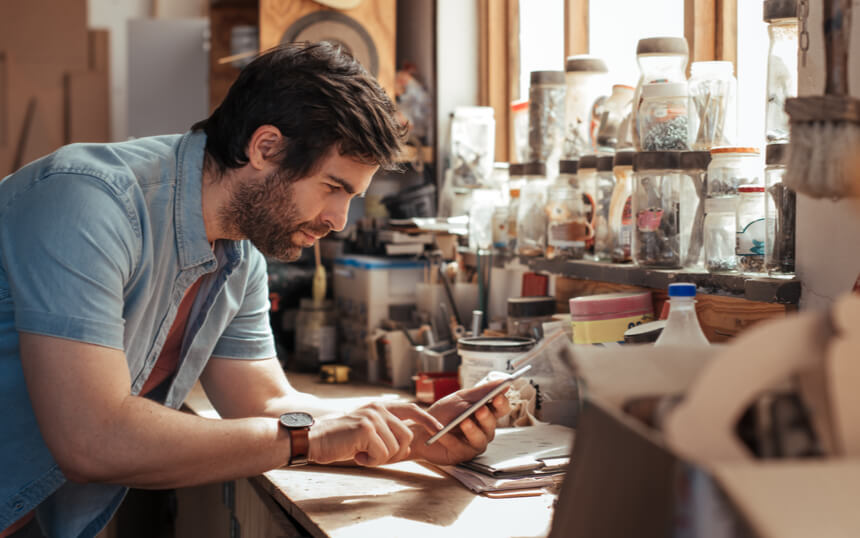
(475,436)
(501,406)
(420,416)
(487,421)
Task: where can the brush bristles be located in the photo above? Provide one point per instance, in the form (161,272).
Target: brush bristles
(824,159)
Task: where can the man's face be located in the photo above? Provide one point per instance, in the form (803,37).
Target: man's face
(281,217)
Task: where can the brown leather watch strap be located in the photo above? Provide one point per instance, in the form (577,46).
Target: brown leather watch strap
(299,446)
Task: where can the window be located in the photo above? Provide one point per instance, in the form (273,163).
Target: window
(541,39)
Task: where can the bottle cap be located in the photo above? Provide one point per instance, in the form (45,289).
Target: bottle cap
(604,163)
(657,160)
(779,9)
(546,77)
(734,149)
(775,153)
(566,166)
(588,161)
(750,188)
(695,160)
(662,45)
(583,63)
(682,289)
(527,169)
(624,158)
(531,307)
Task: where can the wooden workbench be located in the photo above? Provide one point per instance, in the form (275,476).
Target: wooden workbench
(402,499)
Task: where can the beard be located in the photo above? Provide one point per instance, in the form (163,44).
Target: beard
(267,215)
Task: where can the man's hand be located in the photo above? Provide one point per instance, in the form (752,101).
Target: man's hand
(471,437)
(371,435)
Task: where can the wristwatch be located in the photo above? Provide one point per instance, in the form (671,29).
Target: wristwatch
(298,424)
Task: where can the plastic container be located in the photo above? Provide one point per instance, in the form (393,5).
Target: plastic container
(660,59)
(751,229)
(780,215)
(567,226)
(473,144)
(520,119)
(621,208)
(720,229)
(587,176)
(694,181)
(713,105)
(546,115)
(484,354)
(656,201)
(603,200)
(526,315)
(663,117)
(682,325)
(733,167)
(611,117)
(781,19)
(586,80)
(598,319)
(531,214)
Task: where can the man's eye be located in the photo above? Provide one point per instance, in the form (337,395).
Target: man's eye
(333,188)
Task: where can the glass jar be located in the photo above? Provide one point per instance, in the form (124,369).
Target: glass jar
(611,118)
(481,211)
(656,178)
(694,180)
(567,225)
(733,167)
(515,185)
(781,19)
(546,115)
(520,120)
(501,239)
(780,215)
(585,80)
(751,229)
(620,207)
(661,59)
(526,315)
(531,215)
(663,116)
(720,231)
(713,109)
(602,202)
(473,143)
(587,176)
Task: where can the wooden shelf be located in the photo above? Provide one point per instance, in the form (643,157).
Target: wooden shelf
(761,289)
(411,154)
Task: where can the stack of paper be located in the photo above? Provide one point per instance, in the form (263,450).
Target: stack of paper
(519,458)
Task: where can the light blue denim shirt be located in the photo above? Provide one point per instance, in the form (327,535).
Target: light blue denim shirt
(98,244)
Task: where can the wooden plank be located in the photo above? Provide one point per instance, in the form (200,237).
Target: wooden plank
(259,516)
(87,113)
(576,27)
(495,69)
(378,18)
(201,512)
(222,18)
(99,50)
(700,29)
(726,33)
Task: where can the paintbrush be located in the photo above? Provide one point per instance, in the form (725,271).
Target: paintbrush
(825,130)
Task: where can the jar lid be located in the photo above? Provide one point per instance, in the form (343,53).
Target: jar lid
(775,153)
(528,169)
(531,307)
(604,163)
(663,45)
(584,63)
(644,333)
(546,77)
(623,158)
(734,149)
(588,161)
(568,166)
(664,89)
(657,160)
(750,188)
(496,344)
(695,160)
(779,9)
(610,303)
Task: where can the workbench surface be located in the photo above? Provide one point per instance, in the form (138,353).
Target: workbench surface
(403,499)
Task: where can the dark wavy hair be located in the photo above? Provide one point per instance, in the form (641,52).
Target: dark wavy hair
(319,97)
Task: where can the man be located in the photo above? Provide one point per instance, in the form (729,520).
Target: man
(130,270)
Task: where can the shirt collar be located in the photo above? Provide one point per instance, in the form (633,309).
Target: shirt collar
(191,242)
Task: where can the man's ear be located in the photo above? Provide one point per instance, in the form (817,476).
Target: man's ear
(265,143)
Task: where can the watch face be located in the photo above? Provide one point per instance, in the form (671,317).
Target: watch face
(297,420)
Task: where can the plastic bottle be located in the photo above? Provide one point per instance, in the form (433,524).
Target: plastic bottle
(682,325)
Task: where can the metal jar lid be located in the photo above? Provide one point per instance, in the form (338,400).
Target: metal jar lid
(604,163)
(695,160)
(657,160)
(546,77)
(663,45)
(568,166)
(536,168)
(623,158)
(775,154)
(531,307)
(496,344)
(779,9)
(588,161)
(644,333)
(584,63)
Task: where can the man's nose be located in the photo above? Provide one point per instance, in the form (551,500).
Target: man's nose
(336,215)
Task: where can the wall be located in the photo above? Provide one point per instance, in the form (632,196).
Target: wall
(828,254)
